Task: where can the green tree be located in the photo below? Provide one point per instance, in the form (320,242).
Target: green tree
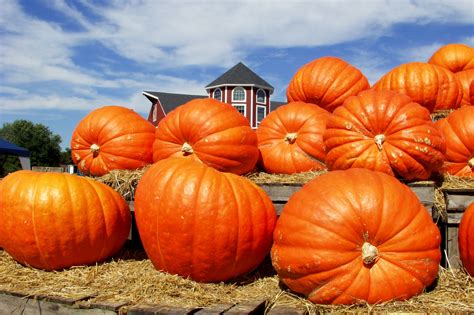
(66,157)
(43,145)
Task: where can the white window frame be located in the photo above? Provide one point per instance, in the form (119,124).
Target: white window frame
(244,106)
(214,94)
(233,93)
(264,98)
(264,114)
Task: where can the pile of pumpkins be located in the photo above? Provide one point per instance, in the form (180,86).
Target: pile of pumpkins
(356,233)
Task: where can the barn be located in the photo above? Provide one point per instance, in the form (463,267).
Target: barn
(239,86)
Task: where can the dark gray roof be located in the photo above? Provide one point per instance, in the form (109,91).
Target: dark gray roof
(275,104)
(240,74)
(170,101)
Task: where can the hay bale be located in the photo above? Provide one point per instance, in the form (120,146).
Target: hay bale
(131,278)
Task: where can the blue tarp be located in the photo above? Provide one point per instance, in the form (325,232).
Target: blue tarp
(10,148)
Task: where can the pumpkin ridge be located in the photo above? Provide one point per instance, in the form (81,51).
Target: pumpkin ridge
(333,82)
(313,158)
(229,181)
(104,244)
(322,226)
(454,133)
(347,88)
(406,270)
(203,139)
(164,263)
(38,179)
(190,178)
(407,156)
(362,128)
(330,283)
(354,276)
(228,161)
(403,229)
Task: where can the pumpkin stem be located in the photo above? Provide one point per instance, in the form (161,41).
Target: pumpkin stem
(95,149)
(187,149)
(369,253)
(379,140)
(471,163)
(291,137)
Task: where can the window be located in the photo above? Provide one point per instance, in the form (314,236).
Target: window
(240,108)
(261,95)
(155,112)
(261,113)
(238,94)
(218,94)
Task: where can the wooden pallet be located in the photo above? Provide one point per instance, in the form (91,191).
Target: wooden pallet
(457,201)
(15,303)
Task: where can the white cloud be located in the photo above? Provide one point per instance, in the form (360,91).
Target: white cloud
(424,52)
(175,34)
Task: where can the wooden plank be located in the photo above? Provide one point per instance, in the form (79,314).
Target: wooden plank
(452,249)
(215,309)
(14,305)
(108,305)
(280,192)
(52,169)
(160,310)
(425,192)
(252,307)
(286,310)
(63,300)
(458,199)
(279,207)
(455,217)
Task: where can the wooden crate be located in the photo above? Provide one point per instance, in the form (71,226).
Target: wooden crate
(280,193)
(48,169)
(457,201)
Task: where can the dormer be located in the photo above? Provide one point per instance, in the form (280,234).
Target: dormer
(245,90)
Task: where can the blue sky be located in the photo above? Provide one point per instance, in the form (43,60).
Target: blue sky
(59,59)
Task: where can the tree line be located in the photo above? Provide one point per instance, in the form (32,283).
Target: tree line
(43,145)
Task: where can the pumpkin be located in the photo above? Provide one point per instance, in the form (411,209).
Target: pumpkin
(197,222)
(290,138)
(466,239)
(433,87)
(458,131)
(355,235)
(466,78)
(326,82)
(112,137)
(54,221)
(384,131)
(454,57)
(208,131)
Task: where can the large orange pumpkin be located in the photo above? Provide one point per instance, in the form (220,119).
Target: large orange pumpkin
(433,87)
(197,222)
(54,220)
(356,235)
(466,78)
(384,131)
(326,82)
(458,131)
(454,57)
(112,137)
(208,131)
(466,239)
(290,139)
